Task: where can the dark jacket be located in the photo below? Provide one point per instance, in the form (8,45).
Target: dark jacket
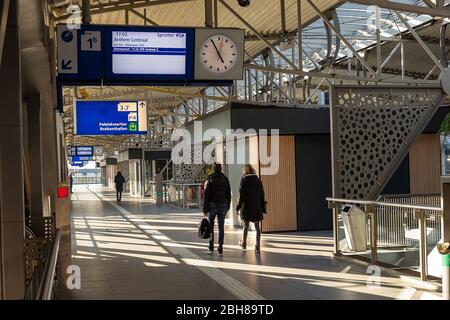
(217,190)
(119,181)
(252,202)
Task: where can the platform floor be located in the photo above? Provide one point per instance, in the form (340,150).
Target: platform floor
(137,250)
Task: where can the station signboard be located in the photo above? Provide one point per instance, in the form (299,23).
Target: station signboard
(81,151)
(93,118)
(147,54)
(82,158)
(77,163)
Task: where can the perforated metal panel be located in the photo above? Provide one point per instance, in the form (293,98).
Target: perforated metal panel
(372,131)
(185,173)
(42,227)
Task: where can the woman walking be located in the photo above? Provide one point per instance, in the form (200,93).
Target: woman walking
(252,204)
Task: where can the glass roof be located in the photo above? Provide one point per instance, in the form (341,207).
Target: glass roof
(357,25)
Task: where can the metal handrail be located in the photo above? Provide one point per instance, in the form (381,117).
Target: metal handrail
(46,286)
(387,204)
(183,184)
(370,207)
(404,195)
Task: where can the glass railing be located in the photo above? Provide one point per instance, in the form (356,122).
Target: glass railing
(401,231)
(80,180)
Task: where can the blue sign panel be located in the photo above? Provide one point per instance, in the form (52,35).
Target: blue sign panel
(124,53)
(110,118)
(81,158)
(80,53)
(81,151)
(77,163)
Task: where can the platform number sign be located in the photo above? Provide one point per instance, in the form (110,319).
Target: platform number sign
(91,41)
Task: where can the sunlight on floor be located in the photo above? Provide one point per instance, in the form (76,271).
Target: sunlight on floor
(145,245)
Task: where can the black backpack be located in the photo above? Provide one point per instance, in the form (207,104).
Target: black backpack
(203,229)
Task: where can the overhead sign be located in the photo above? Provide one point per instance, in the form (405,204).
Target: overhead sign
(81,151)
(94,118)
(148,53)
(80,53)
(81,158)
(77,163)
(152,53)
(161,55)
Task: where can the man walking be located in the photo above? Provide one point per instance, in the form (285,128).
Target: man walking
(119,180)
(217,204)
(71,182)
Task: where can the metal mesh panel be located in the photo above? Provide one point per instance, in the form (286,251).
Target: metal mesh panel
(42,227)
(185,173)
(395,224)
(372,129)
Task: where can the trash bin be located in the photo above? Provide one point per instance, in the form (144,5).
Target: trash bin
(354,220)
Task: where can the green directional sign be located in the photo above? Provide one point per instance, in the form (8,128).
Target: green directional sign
(446,260)
(133,126)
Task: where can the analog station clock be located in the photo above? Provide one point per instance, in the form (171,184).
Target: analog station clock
(218,54)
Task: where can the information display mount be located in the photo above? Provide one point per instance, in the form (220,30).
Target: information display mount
(141,54)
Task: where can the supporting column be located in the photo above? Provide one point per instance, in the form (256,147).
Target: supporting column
(35,154)
(12,269)
(445,237)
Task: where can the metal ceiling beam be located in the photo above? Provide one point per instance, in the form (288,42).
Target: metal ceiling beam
(429,3)
(256,32)
(186,94)
(420,41)
(338,76)
(110,6)
(434,12)
(343,39)
(144,17)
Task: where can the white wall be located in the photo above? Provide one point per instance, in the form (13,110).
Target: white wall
(220,121)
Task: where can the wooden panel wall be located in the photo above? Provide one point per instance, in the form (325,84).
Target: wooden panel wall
(424,165)
(253,148)
(280,191)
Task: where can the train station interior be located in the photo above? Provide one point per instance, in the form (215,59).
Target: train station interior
(221,150)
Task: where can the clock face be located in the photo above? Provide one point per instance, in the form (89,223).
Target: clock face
(218,54)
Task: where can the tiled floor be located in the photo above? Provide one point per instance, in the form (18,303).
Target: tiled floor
(140,251)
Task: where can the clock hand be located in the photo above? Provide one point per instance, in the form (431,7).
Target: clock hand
(220,56)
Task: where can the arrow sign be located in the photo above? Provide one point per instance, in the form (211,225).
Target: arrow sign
(67,50)
(91,41)
(66,65)
(142,116)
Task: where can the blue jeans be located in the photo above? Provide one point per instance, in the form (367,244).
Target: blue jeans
(218,210)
